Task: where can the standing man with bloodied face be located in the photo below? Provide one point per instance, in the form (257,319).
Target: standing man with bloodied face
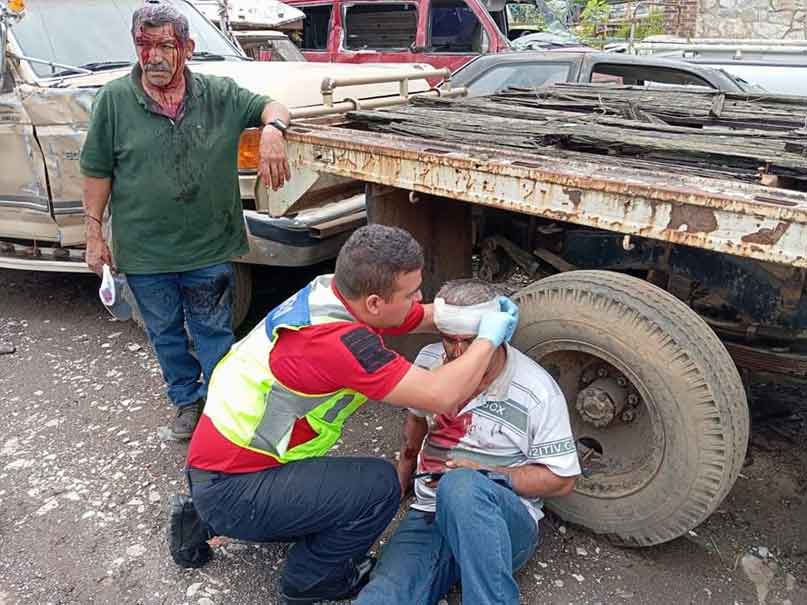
(161,150)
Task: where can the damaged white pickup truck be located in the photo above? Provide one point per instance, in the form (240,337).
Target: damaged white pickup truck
(55,57)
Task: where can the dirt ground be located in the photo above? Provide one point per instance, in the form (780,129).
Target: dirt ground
(85,475)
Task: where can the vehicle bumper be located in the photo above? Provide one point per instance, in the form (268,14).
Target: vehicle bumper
(309,238)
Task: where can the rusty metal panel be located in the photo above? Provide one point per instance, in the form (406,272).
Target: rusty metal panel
(747,220)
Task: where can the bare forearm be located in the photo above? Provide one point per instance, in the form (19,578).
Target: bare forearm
(95,197)
(426,325)
(415,429)
(275,111)
(443,390)
(537,481)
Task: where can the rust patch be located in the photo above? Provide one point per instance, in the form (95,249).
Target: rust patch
(575,195)
(768,237)
(696,219)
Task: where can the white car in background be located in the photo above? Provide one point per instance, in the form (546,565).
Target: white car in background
(774,66)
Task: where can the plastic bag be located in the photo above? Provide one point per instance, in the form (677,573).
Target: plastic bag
(111,294)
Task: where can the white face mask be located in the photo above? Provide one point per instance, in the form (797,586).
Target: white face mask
(461,321)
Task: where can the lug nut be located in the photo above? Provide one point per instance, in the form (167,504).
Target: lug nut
(633,399)
(628,416)
(602,372)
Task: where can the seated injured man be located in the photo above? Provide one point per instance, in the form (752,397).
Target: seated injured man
(481,474)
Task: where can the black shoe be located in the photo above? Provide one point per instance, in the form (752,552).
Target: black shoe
(320,597)
(186,420)
(187,534)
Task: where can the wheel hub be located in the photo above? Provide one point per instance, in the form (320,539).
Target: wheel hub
(601,402)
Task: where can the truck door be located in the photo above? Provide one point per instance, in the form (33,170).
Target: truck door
(25,207)
(378,32)
(319,36)
(455,34)
(60,117)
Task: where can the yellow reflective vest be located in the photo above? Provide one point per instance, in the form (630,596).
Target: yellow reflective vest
(253,410)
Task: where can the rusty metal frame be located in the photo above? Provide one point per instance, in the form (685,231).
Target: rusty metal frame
(727,216)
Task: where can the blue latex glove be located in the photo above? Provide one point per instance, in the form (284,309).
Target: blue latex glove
(508,306)
(497,327)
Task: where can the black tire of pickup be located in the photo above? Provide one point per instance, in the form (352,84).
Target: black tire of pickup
(242,297)
(693,406)
(242,293)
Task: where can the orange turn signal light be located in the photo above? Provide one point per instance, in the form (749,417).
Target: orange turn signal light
(16,6)
(248,155)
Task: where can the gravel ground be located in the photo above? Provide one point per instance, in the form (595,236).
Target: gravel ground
(85,475)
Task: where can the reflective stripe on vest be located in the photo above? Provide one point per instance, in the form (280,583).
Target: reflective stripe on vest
(253,410)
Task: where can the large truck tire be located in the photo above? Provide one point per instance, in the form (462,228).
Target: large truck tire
(242,293)
(656,403)
(242,297)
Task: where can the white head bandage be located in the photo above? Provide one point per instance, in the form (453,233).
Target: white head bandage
(461,321)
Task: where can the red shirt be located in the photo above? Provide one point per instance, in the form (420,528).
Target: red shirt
(316,359)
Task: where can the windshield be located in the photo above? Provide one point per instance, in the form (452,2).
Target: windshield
(82,32)
(528,17)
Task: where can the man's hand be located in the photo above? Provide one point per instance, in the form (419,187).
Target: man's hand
(508,306)
(464,463)
(497,327)
(97,253)
(274,165)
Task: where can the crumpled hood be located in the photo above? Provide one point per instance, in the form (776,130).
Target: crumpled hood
(295,84)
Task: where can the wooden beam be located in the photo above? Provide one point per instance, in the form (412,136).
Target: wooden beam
(442,226)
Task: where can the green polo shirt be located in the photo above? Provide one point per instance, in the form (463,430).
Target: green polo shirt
(175,203)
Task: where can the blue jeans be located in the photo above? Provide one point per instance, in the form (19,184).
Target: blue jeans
(481,533)
(334,509)
(202,298)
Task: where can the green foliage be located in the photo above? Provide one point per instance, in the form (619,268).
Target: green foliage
(594,21)
(525,15)
(652,25)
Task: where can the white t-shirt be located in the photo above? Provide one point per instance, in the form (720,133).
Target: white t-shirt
(521,418)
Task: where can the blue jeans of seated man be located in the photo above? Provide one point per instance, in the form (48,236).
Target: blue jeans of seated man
(334,509)
(202,298)
(481,533)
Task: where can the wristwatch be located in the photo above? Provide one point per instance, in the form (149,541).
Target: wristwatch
(280,125)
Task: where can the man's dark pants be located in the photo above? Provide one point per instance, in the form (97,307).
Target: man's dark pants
(334,509)
(200,299)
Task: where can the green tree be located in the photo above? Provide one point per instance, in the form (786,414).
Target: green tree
(651,25)
(594,22)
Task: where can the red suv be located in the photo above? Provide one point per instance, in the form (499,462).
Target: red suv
(442,33)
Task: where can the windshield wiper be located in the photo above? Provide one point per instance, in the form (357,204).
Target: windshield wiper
(208,56)
(102,65)
(90,68)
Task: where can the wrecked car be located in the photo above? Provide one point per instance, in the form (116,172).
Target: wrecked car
(58,55)
(442,33)
(490,74)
